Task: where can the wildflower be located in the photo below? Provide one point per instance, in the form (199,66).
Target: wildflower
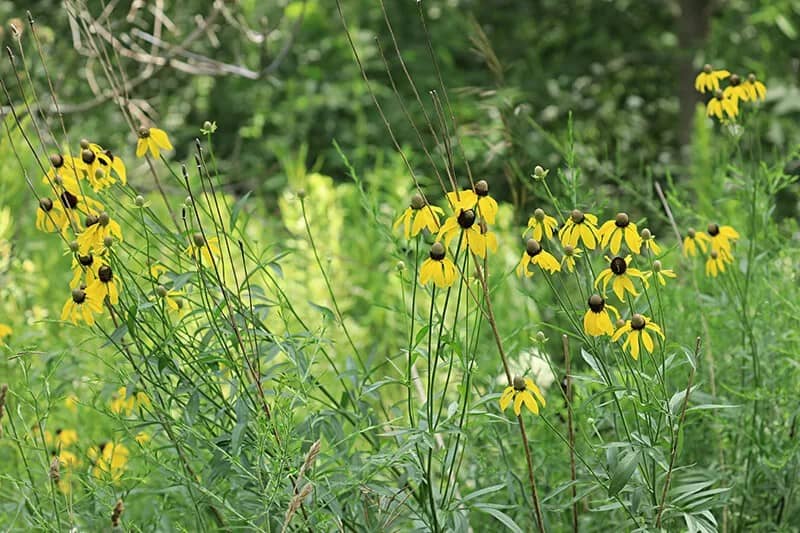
(107,161)
(570,254)
(98,228)
(5,331)
(722,237)
(79,203)
(489,236)
(693,241)
(597,321)
(71,403)
(154,140)
(709,79)
(540,173)
(464,224)
(65,437)
(142,438)
(172,298)
(468,199)
(84,268)
(104,285)
(206,248)
(157,270)
(579,226)
(67,458)
(661,273)
(649,242)
(50,216)
(109,459)
(522,390)
(423,216)
(534,254)
(719,106)
(80,306)
(715,264)
(122,403)
(613,231)
(637,329)
(736,91)
(620,275)
(542,225)
(438,267)
(754,88)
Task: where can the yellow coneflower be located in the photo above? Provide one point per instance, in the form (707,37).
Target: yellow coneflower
(65,437)
(71,403)
(708,79)
(105,285)
(121,403)
(522,391)
(172,298)
(715,264)
(570,255)
(693,241)
(755,89)
(637,329)
(720,106)
(204,248)
(489,236)
(154,140)
(97,165)
(735,90)
(535,254)
(84,270)
(649,242)
(81,307)
(721,237)
(5,331)
(464,224)
(98,228)
(50,216)
(142,438)
(157,270)
(475,199)
(418,216)
(579,227)
(438,268)
(661,273)
(542,225)
(620,275)
(109,459)
(107,160)
(596,320)
(613,231)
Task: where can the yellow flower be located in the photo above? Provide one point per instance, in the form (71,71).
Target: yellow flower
(104,285)
(71,403)
(109,459)
(423,216)
(715,264)
(154,140)
(597,321)
(736,91)
(721,105)
(570,254)
(142,438)
(98,228)
(620,275)
(534,254)
(709,79)
(649,242)
(637,329)
(579,226)
(722,237)
(522,390)
(122,403)
(542,225)
(81,306)
(204,247)
(84,270)
(438,267)
(469,199)
(613,231)
(50,216)
(108,161)
(464,224)
(5,331)
(157,270)
(755,89)
(68,459)
(66,437)
(693,241)
(662,274)
(172,298)
(96,164)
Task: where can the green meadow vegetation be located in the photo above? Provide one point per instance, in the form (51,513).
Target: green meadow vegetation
(437,265)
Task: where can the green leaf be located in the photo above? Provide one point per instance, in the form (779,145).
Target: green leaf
(237,208)
(592,362)
(622,472)
(501,516)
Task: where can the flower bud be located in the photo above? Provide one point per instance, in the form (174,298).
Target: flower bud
(139,200)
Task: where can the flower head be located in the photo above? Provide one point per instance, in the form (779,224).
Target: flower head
(50,216)
(477,198)
(105,284)
(579,227)
(109,459)
(721,237)
(438,268)
(612,232)
(124,404)
(154,140)
(522,390)
(637,330)
(661,273)
(464,223)
(715,264)
(721,106)
(542,225)
(417,216)
(98,228)
(206,249)
(5,331)
(620,275)
(708,79)
(649,242)
(754,88)
(535,254)
(596,320)
(694,241)
(570,255)
(80,306)
(736,90)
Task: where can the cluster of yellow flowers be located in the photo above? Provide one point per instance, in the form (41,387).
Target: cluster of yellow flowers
(725,102)
(716,244)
